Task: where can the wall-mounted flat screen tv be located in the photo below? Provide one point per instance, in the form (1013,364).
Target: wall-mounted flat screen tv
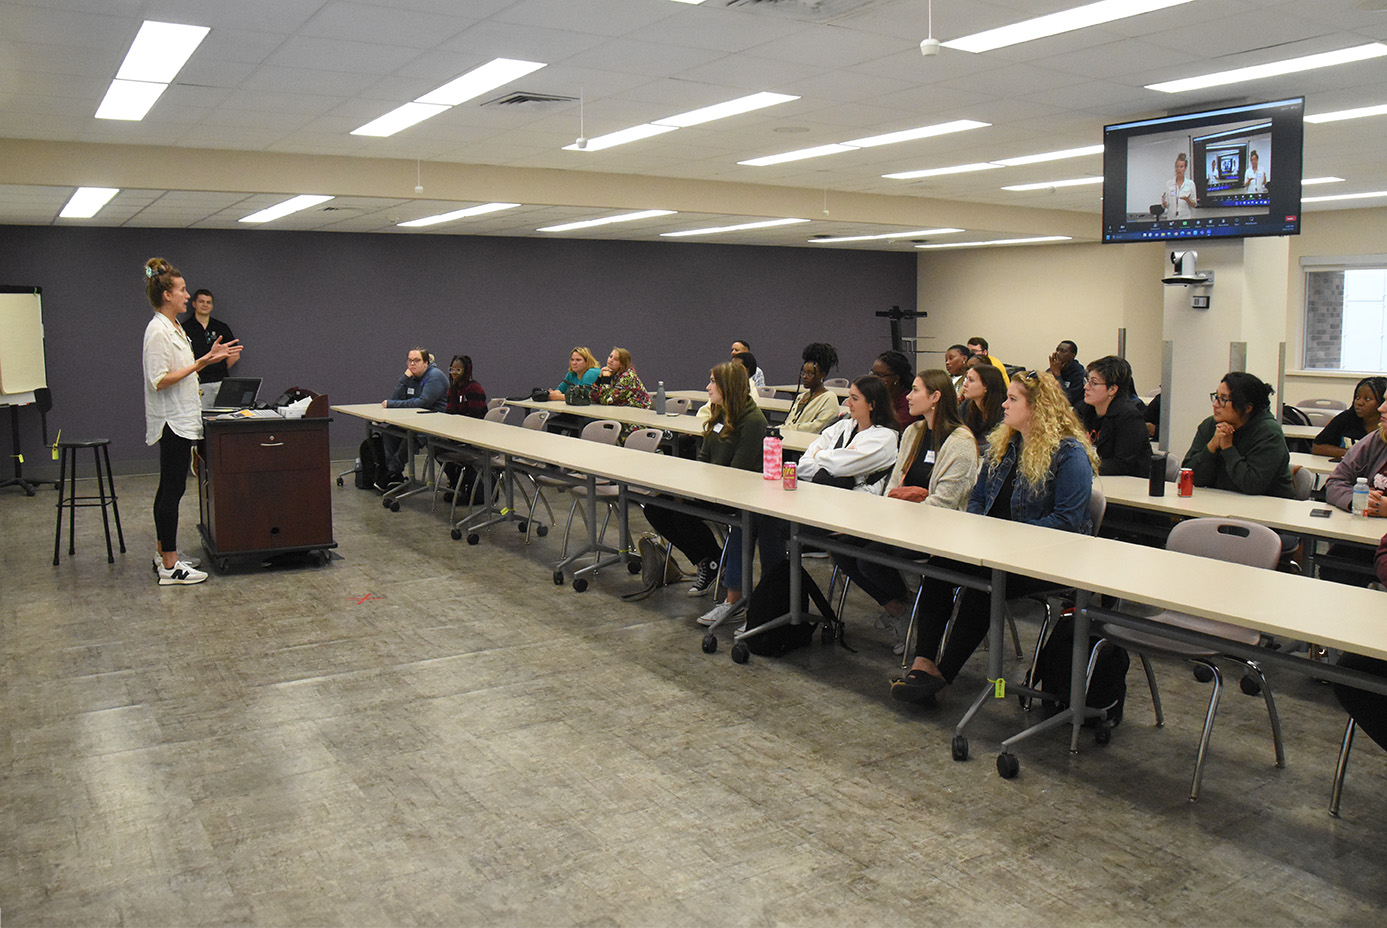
(1231,172)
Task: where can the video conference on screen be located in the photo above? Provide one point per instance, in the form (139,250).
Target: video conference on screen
(1229,166)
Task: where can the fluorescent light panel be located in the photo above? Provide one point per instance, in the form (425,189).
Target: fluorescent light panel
(1273,68)
(458,214)
(280,210)
(1051,156)
(1311,181)
(936,172)
(402,117)
(622,136)
(474,83)
(871,141)
(129,100)
(999,163)
(878,238)
(86,202)
(1356,113)
(747,104)
(1080,17)
(1046,185)
(1345,196)
(607,220)
(798,155)
(742,227)
(1002,241)
(159,51)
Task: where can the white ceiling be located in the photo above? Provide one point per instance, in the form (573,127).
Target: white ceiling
(295,76)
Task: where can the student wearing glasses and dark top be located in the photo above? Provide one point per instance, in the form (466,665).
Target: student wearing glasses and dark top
(422,386)
(1114,424)
(1241,446)
(1355,423)
(893,369)
(1038,469)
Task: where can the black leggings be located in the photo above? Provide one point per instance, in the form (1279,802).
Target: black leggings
(175,454)
(974,615)
(882,583)
(1368,709)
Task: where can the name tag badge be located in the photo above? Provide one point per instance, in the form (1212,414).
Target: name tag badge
(409,391)
(929,457)
(717,429)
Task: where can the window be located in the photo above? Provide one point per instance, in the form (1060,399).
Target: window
(1346,317)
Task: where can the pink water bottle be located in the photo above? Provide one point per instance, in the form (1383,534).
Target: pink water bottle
(771,455)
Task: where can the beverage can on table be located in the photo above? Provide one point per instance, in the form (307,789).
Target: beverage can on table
(788,477)
(1186,484)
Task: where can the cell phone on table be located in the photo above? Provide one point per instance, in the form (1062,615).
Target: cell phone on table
(1320,513)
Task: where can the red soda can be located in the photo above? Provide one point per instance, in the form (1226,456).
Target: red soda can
(1185,487)
(787,475)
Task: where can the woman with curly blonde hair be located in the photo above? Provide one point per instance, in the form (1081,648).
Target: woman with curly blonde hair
(1038,469)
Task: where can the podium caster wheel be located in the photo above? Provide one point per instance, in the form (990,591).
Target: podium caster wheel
(633,566)
(740,653)
(558,578)
(542,530)
(1203,674)
(457,534)
(580,585)
(710,644)
(1102,736)
(959,747)
(340,483)
(474,539)
(1008,766)
(1251,686)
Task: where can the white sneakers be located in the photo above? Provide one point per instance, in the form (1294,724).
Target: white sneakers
(898,627)
(186,559)
(721,613)
(181,573)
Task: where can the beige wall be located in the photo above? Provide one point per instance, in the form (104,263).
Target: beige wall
(1025,299)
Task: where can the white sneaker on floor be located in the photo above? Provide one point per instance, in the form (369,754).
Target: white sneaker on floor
(898,626)
(190,561)
(721,612)
(180,573)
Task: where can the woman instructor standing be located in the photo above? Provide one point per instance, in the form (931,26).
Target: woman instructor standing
(172,408)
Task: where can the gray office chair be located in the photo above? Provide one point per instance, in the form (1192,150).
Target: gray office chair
(1341,768)
(1302,482)
(765,392)
(609,494)
(1319,418)
(537,421)
(1229,540)
(1323,404)
(447,452)
(677,405)
(837,382)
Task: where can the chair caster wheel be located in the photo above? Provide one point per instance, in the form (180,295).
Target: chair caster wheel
(959,747)
(457,534)
(1008,766)
(580,585)
(1203,674)
(340,482)
(385,503)
(522,525)
(827,635)
(394,506)
(542,530)
(740,653)
(558,578)
(710,644)
(1251,686)
(474,539)
(1102,736)
(633,566)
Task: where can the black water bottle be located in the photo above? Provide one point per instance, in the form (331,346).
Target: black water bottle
(1157,476)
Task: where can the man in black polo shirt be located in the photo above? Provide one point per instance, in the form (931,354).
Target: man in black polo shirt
(203,331)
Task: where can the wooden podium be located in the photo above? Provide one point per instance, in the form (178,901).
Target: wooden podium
(264,486)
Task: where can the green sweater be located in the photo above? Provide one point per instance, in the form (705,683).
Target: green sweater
(742,448)
(1258,464)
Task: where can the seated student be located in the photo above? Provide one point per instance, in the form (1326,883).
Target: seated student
(1038,469)
(731,438)
(815,406)
(857,451)
(619,385)
(893,369)
(1241,446)
(1065,367)
(1368,709)
(1367,458)
(956,363)
(984,391)
(1355,423)
(465,398)
(422,386)
(758,376)
(1114,424)
(748,360)
(583,371)
(937,465)
(978,346)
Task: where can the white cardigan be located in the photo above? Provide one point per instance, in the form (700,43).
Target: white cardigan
(955,468)
(869,451)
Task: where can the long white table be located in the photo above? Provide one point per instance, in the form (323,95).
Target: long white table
(1307,432)
(792,388)
(1314,463)
(648,419)
(700,397)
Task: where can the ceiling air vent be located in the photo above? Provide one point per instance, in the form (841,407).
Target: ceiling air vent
(525,101)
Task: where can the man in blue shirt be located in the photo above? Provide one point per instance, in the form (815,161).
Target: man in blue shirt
(423,386)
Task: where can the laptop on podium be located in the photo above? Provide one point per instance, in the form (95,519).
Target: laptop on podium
(236,393)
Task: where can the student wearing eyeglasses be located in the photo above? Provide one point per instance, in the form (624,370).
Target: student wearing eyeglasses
(1241,446)
(1111,418)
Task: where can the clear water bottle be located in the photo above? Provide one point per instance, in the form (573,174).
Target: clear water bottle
(1360,496)
(771,455)
(660,398)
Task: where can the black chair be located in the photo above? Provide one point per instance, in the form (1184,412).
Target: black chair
(106,494)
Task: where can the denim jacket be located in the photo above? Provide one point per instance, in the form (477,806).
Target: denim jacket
(1061,503)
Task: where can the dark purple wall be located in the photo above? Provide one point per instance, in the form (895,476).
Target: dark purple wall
(337,312)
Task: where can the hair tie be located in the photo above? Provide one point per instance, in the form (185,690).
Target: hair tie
(148,271)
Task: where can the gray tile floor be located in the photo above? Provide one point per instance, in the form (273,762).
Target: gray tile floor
(472,745)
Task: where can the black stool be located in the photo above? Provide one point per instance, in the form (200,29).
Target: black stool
(67,468)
